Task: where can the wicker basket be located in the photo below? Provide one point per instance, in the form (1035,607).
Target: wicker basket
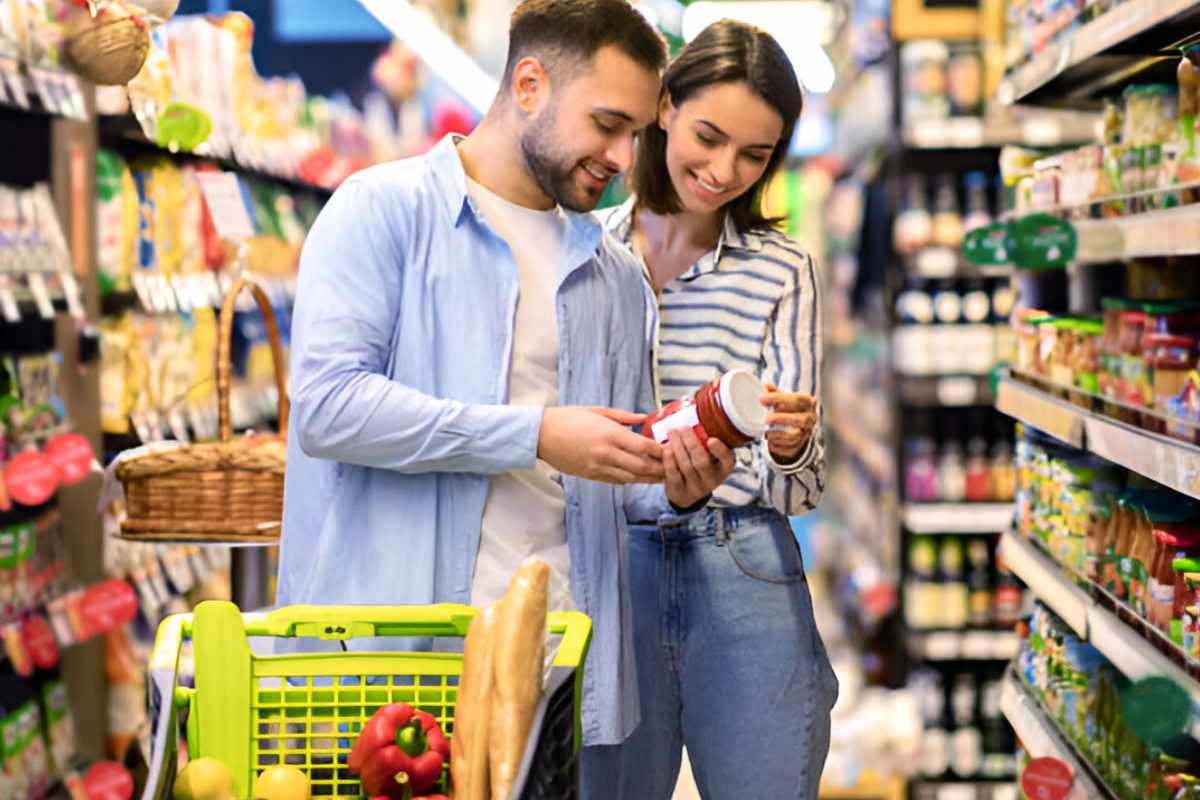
(229,490)
(109,51)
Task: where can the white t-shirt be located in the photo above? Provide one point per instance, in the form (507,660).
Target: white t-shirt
(524,512)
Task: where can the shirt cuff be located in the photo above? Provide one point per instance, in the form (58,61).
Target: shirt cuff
(800,464)
(692,509)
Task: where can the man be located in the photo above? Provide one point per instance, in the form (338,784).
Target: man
(462,334)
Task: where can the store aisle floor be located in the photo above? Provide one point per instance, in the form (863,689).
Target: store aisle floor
(685,789)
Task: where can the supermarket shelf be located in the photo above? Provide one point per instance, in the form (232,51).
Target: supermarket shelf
(1100,54)
(956,133)
(951,518)
(1040,410)
(124,129)
(956,391)
(53,93)
(1043,739)
(968,645)
(1132,654)
(1047,580)
(1136,648)
(1167,232)
(1169,462)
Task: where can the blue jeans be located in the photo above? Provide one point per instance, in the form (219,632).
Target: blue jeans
(729,662)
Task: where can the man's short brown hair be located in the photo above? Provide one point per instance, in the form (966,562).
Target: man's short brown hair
(568,33)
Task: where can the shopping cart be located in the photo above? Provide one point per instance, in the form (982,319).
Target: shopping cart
(254,711)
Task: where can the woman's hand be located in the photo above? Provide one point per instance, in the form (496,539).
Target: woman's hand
(791,419)
(694,470)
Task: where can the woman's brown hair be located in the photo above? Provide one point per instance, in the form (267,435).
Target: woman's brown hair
(727,51)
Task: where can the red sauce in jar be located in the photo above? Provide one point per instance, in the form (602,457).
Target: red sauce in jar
(727,409)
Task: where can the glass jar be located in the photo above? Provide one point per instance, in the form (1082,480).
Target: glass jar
(1171,358)
(727,408)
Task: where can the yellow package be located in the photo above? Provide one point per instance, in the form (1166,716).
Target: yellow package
(115,346)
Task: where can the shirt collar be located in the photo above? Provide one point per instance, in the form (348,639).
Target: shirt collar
(583,231)
(620,224)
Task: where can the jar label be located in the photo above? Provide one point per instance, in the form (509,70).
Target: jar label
(684,417)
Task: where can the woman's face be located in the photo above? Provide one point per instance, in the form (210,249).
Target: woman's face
(719,141)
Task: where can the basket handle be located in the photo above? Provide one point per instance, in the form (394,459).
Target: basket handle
(225,369)
(347,622)
(162,701)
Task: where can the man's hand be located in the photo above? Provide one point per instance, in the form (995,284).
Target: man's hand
(694,471)
(594,443)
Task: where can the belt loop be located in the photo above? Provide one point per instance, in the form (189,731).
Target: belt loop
(719,520)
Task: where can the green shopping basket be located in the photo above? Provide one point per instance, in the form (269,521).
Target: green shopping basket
(255,711)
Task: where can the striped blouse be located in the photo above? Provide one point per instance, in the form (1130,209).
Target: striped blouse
(752,303)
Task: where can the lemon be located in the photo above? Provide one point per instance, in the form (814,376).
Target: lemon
(204,779)
(281,783)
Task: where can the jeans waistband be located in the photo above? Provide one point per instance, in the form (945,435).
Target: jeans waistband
(705,522)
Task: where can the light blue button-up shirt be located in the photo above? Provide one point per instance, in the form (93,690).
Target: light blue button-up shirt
(401,340)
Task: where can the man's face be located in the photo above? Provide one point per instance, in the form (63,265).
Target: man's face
(583,135)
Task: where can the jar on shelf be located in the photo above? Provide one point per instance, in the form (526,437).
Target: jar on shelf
(923,66)
(1132,382)
(1151,115)
(1085,358)
(1171,358)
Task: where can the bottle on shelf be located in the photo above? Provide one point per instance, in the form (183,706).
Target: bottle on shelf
(978,468)
(923,593)
(956,606)
(979,582)
(1009,597)
(978,208)
(913,227)
(947,219)
(966,743)
(920,469)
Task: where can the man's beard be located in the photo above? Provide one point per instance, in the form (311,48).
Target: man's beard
(549,168)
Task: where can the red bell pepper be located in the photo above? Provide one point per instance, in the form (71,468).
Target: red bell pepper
(399,753)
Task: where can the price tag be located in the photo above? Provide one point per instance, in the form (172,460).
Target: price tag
(957,391)
(108,780)
(183,297)
(45,91)
(8,303)
(71,455)
(16,84)
(31,478)
(143,293)
(223,195)
(177,425)
(108,605)
(41,294)
(179,571)
(74,297)
(1047,779)
(1041,132)
(39,639)
(76,106)
(164,296)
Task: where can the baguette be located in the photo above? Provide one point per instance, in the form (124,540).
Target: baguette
(519,639)
(472,714)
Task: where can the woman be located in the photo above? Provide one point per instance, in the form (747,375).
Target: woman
(730,663)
